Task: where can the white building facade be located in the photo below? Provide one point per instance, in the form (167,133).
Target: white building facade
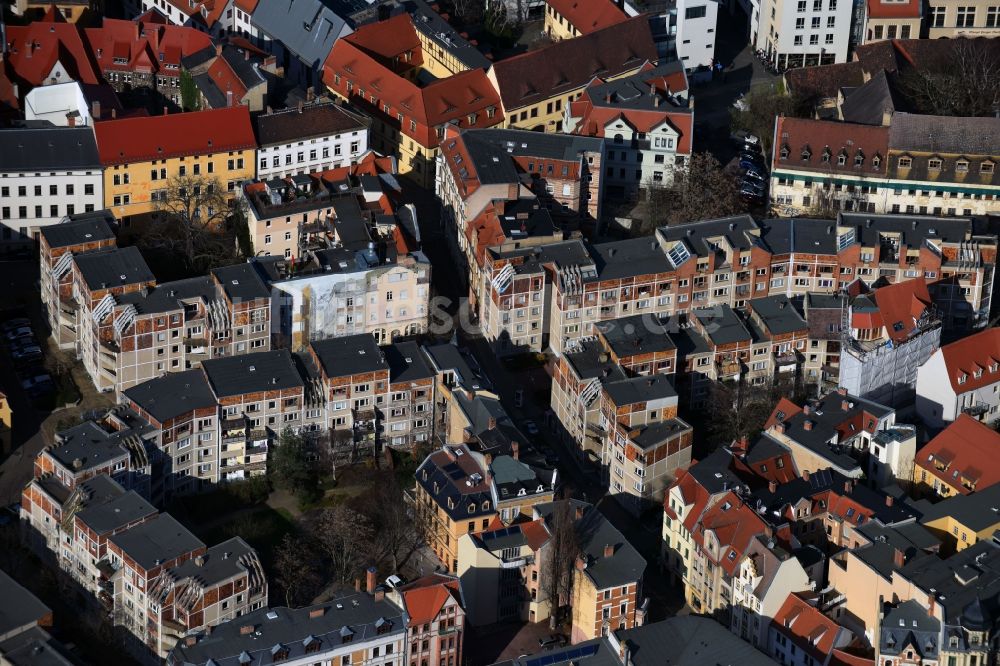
(337,138)
(803,32)
(45,175)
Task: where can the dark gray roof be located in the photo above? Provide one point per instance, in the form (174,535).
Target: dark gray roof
(628,258)
(867,104)
(511,476)
(633,92)
(590,361)
(213,95)
(817,301)
(219,563)
(307,28)
(788,235)
(447,475)
(778,314)
(738,230)
(441,33)
(595,652)
(595,532)
(357,612)
(349,355)
(645,388)
(86,443)
(167,296)
(446,356)
(312,121)
(635,335)
(722,325)
(35,647)
(155,541)
(977,511)
(252,373)
(80,228)
(491,150)
(689,640)
(407,362)
(173,394)
(241,282)
(113,268)
(965,584)
(913,229)
(655,434)
(20,608)
(107,516)
(944,134)
(909,625)
(54,148)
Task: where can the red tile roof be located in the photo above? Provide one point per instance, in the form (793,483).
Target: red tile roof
(807,627)
(972,355)
(146,45)
(969,451)
(784,410)
(595,119)
(573,63)
(734,525)
(878,9)
(247,6)
(901,306)
(37,47)
(161,137)
(835,138)
(456,99)
(425,597)
(589,15)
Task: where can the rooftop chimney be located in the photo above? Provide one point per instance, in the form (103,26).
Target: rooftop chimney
(897,558)
(246,629)
(357,584)
(320,612)
(300,106)
(190,640)
(491,423)
(114,113)
(806,409)
(607,97)
(808,425)
(165,110)
(579,512)
(609,550)
(514,450)
(842,391)
(370,580)
(848,486)
(218,49)
(71,121)
(772,487)
(581,563)
(95,109)
(805,474)
(379,594)
(888,500)
(845,405)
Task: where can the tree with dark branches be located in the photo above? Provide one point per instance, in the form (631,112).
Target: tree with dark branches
(702,190)
(191,221)
(559,558)
(295,570)
(345,537)
(966,83)
(398,532)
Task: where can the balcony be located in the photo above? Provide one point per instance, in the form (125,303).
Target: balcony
(517,562)
(729,368)
(786,361)
(976,411)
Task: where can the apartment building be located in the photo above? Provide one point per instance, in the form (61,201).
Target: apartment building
(413,86)
(460,491)
(502,572)
(24,633)
(906,632)
(216,144)
(957,460)
(536,86)
(847,434)
(308,138)
(143,568)
(232,73)
(565,19)
(961,520)
(410,409)
(893,331)
(357,626)
(891,20)
(888,168)
(783,33)
(947,19)
(46,175)
(436,617)
(647,121)
(960,378)
(145,53)
(825,315)
(208,16)
(802,635)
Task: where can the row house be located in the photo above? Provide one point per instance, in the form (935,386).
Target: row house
(647,121)
(802,635)
(963,520)
(308,138)
(139,166)
(823,166)
(376,69)
(211,17)
(232,73)
(435,618)
(47,174)
(825,315)
(957,461)
(145,54)
(535,87)
(961,378)
(883,19)
(143,568)
(890,333)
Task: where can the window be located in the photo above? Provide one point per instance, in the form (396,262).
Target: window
(694,12)
(800,23)
(815,22)
(905,162)
(966,17)
(937,17)
(934,164)
(993,17)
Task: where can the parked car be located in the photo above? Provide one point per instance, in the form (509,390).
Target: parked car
(742,136)
(19,332)
(751,195)
(37,383)
(747,163)
(530,428)
(19,322)
(755,176)
(554,640)
(27,354)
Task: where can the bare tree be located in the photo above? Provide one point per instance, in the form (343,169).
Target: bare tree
(761,106)
(737,410)
(295,571)
(398,531)
(700,191)
(967,83)
(192,215)
(559,559)
(345,537)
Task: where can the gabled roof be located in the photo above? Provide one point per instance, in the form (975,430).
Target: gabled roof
(808,628)
(817,145)
(589,15)
(973,362)
(308,28)
(44,149)
(425,597)
(143,45)
(572,63)
(312,121)
(968,450)
(944,134)
(879,9)
(174,135)
(901,306)
(37,47)
(734,526)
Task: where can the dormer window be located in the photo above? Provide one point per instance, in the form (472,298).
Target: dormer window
(986,167)
(784,152)
(472,508)
(905,162)
(962,166)
(806,154)
(978,373)
(876,161)
(826,155)
(934,164)
(993,367)
(486,506)
(472,118)
(962,378)
(859,159)
(841,159)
